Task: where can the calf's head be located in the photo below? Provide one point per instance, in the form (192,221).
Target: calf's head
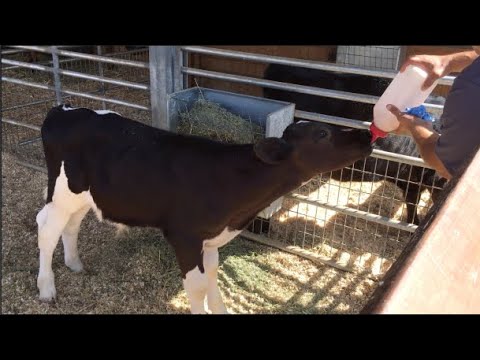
(315,147)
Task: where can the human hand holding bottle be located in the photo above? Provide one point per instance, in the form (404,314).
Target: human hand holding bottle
(438,66)
(407,122)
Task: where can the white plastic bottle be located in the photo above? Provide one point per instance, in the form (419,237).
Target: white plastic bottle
(404,91)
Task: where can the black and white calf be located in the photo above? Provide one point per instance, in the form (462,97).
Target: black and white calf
(201,193)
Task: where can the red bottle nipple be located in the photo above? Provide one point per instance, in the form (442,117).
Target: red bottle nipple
(376,133)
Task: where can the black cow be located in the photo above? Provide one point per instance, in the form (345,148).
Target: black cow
(408,180)
(201,193)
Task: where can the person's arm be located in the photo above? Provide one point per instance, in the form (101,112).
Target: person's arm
(425,137)
(438,66)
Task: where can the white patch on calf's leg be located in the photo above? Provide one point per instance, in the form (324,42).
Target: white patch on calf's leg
(214,297)
(99,214)
(210,263)
(96,210)
(51,221)
(45,193)
(64,198)
(223,238)
(42,217)
(72,202)
(196,285)
(70,239)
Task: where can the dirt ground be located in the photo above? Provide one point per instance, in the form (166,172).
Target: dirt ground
(137,272)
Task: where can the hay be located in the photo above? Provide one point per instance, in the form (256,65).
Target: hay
(210,120)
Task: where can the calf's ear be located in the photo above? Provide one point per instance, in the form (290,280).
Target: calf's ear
(272,150)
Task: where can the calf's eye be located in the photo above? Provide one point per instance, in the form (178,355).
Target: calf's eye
(319,135)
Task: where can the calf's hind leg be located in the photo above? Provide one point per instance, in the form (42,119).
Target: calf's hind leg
(70,239)
(51,221)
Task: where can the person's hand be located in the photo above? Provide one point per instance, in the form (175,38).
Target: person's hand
(406,122)
(436,66)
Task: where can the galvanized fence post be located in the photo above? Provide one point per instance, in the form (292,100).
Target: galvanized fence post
(185,63)
(402,54)
(100,73)
(56,75)
(165,78)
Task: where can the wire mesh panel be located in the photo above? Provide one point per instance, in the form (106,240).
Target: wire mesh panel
(370,57)
(323,216)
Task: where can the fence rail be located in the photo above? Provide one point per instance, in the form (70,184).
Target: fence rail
(240,55)
(76,74)
(78,55)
